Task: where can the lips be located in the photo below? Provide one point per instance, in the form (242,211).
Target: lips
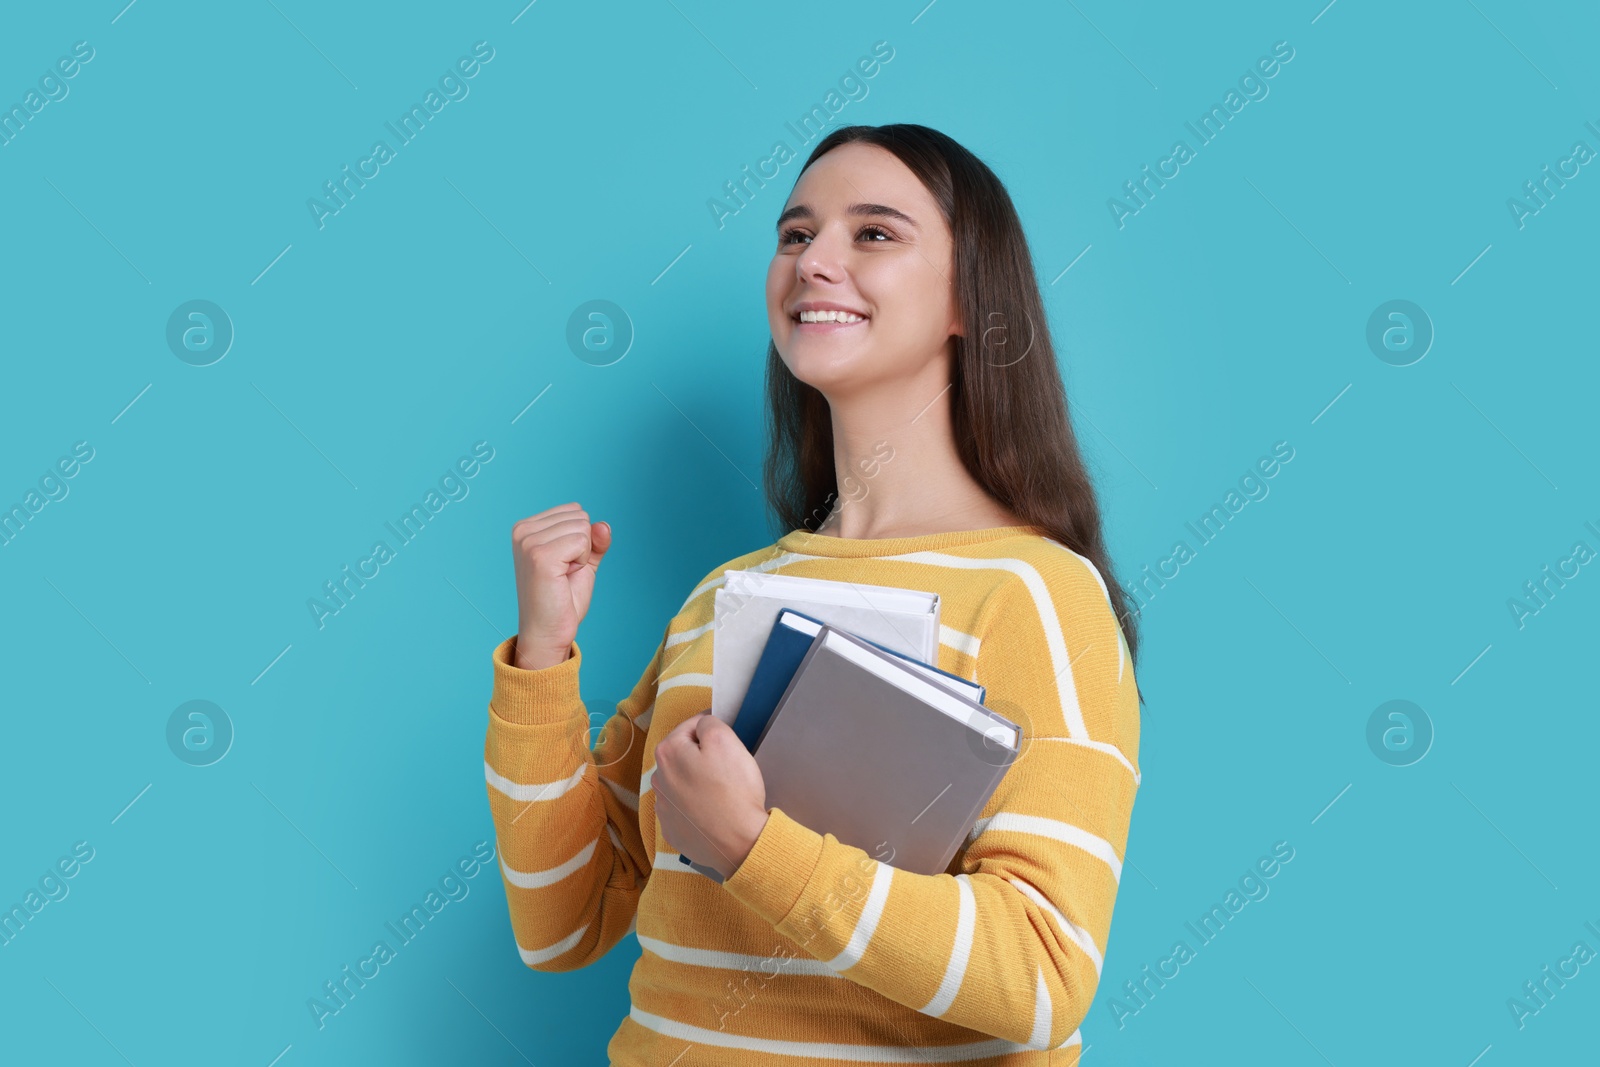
(827,327)
(821,306)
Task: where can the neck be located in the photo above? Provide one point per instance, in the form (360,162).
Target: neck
(896,465)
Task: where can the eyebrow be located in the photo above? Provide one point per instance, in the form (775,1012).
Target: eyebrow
(803,211)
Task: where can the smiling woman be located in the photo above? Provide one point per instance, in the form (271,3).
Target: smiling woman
(896,254)
(870,279)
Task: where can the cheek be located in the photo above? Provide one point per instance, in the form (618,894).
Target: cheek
(778,277)
(906,291)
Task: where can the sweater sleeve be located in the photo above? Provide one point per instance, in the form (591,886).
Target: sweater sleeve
(566,818)
(1008,941)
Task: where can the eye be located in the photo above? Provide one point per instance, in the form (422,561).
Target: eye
(788,236)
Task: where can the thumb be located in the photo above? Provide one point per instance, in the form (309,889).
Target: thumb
(705,728)
(599,541)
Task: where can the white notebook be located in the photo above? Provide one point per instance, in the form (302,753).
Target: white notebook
(747,604)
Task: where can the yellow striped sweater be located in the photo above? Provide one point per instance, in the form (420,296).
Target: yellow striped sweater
(813,951)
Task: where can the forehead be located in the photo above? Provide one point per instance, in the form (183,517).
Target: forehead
(863,172)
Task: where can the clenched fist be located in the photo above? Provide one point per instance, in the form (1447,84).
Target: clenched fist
(556,553)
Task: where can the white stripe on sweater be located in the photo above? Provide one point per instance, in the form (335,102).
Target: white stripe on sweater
(1049,620)
(961,642)
(688,635)
(1122,649)
(628,797)
(1080,937)
(671,682)
(1042,1017)
(830,1050)
(551,790)
(535,956)
(781,560)
(676,680)
(960,950)
(1055,829)
(867,923)
(1101,746)
(735,961)
(539,879)
(947,636)
(536,791)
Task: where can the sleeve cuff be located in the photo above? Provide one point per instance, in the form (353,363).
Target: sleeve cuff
(774,876)
(534,698)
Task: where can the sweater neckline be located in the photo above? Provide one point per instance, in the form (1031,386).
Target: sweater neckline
(807,543)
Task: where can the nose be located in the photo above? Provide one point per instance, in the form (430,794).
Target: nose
(822,259)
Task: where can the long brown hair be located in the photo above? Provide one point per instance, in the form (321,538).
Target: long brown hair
(1008,410)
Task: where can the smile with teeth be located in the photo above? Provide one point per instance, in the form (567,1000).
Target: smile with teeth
(830,316)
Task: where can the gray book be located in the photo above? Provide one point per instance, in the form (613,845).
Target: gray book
(868,749)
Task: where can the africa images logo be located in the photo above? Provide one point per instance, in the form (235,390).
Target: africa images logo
(453,87)
(453,485)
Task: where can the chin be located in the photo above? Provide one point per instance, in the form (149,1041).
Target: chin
(827,372)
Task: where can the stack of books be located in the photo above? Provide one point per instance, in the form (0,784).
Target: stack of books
(856,731)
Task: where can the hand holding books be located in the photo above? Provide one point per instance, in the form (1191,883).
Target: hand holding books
(709,793)
(855,738)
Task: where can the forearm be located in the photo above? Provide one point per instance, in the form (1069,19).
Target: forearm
(565,817)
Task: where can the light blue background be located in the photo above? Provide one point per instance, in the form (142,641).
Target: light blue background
(1228,314)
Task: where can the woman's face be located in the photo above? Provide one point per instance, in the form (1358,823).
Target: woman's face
(861,234)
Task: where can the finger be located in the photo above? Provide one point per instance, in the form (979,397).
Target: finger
(684,729)
(547,512)
(566,513)
(715,730)
(700,727)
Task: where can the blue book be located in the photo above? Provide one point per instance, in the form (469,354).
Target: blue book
(790,639)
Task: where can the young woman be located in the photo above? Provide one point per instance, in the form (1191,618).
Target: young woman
(919,439)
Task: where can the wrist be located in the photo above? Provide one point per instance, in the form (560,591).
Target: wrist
(747,840)
(529,656)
